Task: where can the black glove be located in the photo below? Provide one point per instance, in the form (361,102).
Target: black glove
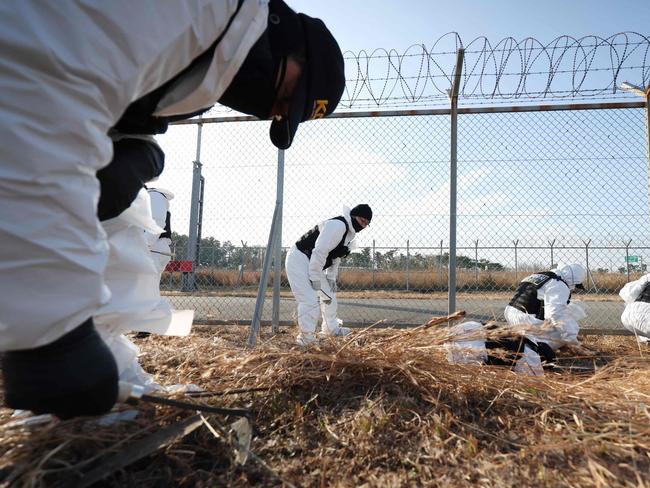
(72,376)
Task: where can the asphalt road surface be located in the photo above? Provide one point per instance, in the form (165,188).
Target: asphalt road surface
(364,312)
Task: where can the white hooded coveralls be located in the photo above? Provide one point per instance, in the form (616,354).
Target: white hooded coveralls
(68,70)
(301,270)
(160,247)
(133,277)
(468,347)
(636,316)
(561,327)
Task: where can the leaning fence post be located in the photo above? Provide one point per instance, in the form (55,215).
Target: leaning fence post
(277,247)
(275,239)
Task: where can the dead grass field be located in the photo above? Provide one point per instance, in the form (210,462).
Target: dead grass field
(419,281)
(380,408)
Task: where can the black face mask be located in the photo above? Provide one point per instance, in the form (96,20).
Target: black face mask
(252,91)
(356,225)
(254,88)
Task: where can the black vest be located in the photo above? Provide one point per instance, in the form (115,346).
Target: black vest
(644,296)
(307,242)
(138,117)
(513,349)
(525,298)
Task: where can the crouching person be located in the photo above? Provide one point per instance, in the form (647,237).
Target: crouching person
(636,316)
(474,343)
(312,267)
(542,305)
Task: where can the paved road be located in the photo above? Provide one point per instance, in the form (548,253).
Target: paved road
(600,314)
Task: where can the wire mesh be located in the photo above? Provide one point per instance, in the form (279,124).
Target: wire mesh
(534,189)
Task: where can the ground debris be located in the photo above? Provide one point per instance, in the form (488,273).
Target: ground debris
(377,408)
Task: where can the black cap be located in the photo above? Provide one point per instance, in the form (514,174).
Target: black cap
(362,210)
(322,81)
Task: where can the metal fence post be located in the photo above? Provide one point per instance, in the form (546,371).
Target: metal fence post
(193,235)
(476,260)
(516,243)
(440,264)
(453,180)
(627,258)
(587,262)
(374,263)
(408,259)
(647,134)
(552,244)
(277,257)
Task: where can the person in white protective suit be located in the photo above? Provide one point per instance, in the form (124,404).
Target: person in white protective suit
(133,276)
(70,73)
(474,343)
(312,266)
(542,306)
(636,315)
(160,245)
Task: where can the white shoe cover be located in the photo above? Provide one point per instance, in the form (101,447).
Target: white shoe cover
(306,339)
(338,332)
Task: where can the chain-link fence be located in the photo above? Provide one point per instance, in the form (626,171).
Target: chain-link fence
(535,188)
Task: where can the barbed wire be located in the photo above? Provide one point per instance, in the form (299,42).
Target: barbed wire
(564,68)
(528,71)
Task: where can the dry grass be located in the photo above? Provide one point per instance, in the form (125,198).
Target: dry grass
(381,408)
(434,279)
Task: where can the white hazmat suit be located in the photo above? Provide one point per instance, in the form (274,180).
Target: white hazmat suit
(160,246)
(636,316)
(303,270)
(133,277)
(559,325)
(469,347)
(69,70)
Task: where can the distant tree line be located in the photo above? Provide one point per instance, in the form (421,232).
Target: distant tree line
(215,253)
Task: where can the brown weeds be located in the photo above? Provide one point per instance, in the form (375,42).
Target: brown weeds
(377,408)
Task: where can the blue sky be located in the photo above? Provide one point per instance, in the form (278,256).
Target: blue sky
(364,24)
(591,164)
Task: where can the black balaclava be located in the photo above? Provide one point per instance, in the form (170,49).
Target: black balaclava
(253,89)
(357,227)
(361,210)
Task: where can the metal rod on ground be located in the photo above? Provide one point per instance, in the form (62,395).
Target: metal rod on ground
(277,255)
(188,278)
(453,175)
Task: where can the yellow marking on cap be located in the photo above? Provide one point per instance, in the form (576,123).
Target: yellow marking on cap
(320,109)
